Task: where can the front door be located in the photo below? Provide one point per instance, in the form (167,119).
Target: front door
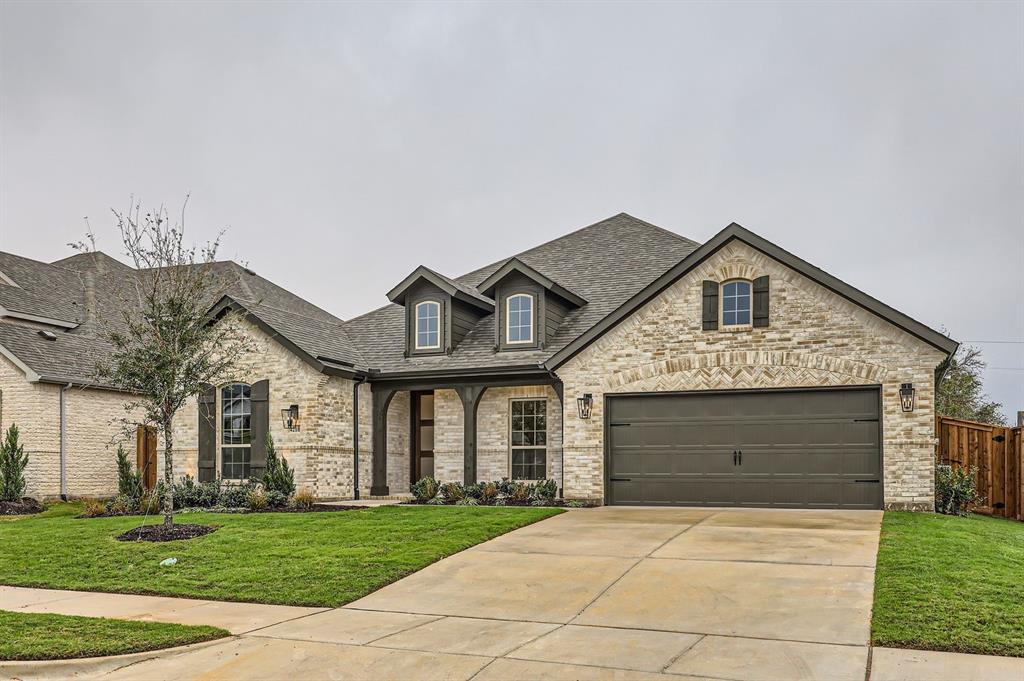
(422,460)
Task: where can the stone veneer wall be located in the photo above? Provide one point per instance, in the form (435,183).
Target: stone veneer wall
(493,454)
(815,338)
(322,451)
(92,423)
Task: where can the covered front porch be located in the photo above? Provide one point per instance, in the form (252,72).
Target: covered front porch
(465,429)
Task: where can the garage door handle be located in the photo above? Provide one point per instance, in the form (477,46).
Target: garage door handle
(621,479)
(875,480)
(735,458)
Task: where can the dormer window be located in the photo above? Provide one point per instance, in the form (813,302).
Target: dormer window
(736,303)
(428,325)
(519,318)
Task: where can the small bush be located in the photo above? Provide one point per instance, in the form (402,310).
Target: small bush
(472,491)
(94,508)
(575,503)
(488,492)
(436,501)
(452,492)
(129,482)
(13,461)
(150,501)
(276,499)
(236,495)
(190,494)
(303,499)
(122,504)
(520,492)
(545,491)
(425,489)
(955,490)
(467,501)
(257,499)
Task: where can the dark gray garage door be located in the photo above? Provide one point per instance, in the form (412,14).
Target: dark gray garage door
(790,449)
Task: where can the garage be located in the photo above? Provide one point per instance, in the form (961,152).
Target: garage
(816,448)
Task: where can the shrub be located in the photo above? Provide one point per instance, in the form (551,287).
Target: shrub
(575,503)
(236,495)
(129,482)
(520,492)
(452,492)
(276,499)
(257,499)
(278,477)
(472,491)
(303,499)
(149,503)
(425,489)
(505,486)
(13,461)
(545,491)
(94,508)
(488,492)
(467,501)
(190,494)
(955,490)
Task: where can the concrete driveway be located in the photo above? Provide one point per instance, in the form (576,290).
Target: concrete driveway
(608,593)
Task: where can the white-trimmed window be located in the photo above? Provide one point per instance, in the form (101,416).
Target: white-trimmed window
(236,431)
(428,325)
(736,303)
(519,318)
(529,439)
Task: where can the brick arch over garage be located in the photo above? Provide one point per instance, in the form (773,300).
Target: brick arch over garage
(725,370)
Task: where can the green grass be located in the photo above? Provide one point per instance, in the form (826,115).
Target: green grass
(948,583)
(323,559)
(34,636)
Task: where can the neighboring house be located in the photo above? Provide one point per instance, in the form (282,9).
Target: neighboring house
(629,364)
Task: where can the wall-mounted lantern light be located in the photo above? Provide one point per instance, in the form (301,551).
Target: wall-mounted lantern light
(290,417)
(586,405)
(907,396)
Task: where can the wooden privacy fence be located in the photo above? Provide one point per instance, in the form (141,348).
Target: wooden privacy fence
(997,453)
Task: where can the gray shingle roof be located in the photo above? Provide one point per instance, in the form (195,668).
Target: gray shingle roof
(606,263)
(42,289)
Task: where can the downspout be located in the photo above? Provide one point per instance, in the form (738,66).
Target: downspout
(355,437)
(63,442)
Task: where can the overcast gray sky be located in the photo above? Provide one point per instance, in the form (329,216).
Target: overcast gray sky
(344,144)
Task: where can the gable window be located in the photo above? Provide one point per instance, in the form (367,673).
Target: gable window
(529,439)
(736,303)
(519,318)
(236,431)
(428,325)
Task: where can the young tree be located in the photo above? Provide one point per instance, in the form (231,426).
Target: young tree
(164,345)
(13,461)
(961,393)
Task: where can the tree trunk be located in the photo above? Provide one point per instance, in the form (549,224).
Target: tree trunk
(168,500)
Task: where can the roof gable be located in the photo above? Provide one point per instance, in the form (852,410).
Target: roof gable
(455,289)
(513,264)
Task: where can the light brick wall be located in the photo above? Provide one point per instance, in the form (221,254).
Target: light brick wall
(492,432)
(92,420)
(815,338)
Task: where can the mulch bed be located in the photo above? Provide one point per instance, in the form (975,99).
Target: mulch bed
(24,507)
(315,508)
(163,533)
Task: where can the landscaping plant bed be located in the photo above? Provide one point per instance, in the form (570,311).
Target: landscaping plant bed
(315,508)
(26,506)
(542,493)
(163,533)
(508,503)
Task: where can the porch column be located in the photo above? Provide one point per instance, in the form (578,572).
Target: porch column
(470,396)
(381,402)
(559,389)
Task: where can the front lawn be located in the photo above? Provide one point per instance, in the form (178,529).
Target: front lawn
(320,559)
(34,636)
(949,583)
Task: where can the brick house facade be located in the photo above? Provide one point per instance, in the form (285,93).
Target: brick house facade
(480,377)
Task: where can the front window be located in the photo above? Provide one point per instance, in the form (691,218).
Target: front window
(236,431)
(519,318)
(529,439)
(428,325)
(736,303)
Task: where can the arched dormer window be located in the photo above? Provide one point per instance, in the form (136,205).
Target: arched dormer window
(519,318)
(236,431)
(428,325)
(736,300)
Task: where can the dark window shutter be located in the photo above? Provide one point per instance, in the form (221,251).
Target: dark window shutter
(761,301)
(260,424)
(709,318)
(207,433)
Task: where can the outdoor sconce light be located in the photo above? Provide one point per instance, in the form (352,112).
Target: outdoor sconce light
(290,417)
(586,405)
(907,396)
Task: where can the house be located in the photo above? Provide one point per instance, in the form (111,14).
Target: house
(627,363)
